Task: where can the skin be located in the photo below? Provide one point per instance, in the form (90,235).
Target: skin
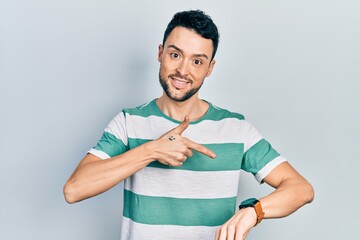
(185,62)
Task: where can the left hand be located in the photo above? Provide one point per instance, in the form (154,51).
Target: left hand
(237,227)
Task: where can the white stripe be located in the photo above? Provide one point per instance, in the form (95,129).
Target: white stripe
(184,184)
(134,231)
(228,130)
(117,127)
(99,154)
(252,136)
(151,127)
(268,168)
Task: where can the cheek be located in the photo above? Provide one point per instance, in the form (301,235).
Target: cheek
(165,65)
(200,74)
(168,68)
(164,71)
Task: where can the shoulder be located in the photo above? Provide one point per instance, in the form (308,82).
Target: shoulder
(218,113)
(144,110)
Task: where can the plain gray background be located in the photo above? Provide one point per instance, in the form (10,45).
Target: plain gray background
(67,67)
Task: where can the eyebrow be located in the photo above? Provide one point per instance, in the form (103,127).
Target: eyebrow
(196,55)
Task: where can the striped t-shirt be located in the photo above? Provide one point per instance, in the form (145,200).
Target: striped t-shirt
(190,201)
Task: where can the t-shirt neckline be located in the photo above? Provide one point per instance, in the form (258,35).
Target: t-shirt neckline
(158,110)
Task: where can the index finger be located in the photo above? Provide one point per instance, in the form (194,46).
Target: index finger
(182,126)
(200,148)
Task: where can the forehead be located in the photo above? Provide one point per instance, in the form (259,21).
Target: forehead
(189,41)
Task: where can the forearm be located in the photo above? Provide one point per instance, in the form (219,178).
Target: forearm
(292,192)
(289,196)
(93,177)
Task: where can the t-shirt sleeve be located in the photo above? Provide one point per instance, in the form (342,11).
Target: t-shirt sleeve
(259,158)
(114,139)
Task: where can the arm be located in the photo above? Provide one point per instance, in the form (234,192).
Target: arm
(291,192)
(94,175)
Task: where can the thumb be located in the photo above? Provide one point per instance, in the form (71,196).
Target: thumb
(182,126)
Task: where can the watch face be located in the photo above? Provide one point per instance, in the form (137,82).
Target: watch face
(248,203)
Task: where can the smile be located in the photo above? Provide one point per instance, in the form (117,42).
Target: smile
(179,83)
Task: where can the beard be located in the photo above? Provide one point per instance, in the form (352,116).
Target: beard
(178,98)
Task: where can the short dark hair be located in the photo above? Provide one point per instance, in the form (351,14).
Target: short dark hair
(198,21)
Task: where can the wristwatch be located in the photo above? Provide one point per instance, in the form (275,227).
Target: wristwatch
(253,202)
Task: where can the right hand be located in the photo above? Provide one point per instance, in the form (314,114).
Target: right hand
(175,152)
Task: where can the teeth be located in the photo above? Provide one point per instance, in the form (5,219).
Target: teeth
(180,81)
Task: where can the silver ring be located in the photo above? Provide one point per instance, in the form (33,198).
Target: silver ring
(171,138)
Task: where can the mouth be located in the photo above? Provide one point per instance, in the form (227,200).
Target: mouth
(179,83)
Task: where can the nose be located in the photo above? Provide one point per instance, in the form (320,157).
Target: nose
(183,68)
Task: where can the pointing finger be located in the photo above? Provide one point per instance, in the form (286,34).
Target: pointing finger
(200,148)
(182,126)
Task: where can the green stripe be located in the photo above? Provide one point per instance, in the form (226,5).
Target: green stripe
(258,156)
(216,114)
(144,110)
(110,144)
(228,157)
(174,211)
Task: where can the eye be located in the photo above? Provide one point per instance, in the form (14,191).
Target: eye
(174,55)
(197,62)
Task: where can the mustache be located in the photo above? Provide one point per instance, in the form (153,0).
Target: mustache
(178,75)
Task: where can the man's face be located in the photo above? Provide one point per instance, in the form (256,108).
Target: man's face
(185,61)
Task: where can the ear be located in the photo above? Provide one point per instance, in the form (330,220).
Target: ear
(211,67)
(160,53)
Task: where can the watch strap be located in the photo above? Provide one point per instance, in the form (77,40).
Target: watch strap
(256,204)
(259,212)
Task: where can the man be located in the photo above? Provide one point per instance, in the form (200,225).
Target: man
(180,156)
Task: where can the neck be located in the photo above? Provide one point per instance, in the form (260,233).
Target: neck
(194,107)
